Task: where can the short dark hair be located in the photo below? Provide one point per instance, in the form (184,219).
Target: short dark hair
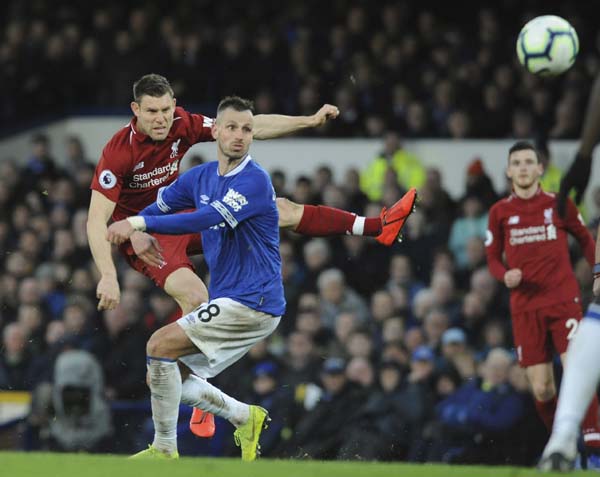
(236,103)
(151,85)
(523,146)
(40,138)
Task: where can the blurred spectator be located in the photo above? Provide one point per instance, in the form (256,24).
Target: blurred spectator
(277,400)
(360,344)
(320,432)
(388,420)
(15,359)
(41,167)
(122,349)
(473,223)
(317,257)
(367,256)
(357,199)
(337,297)
(301,362)
(82,419)
(393,164)
(435,324)
(382,307)
(360,371)
(479,184)
(477,421)
(550,180)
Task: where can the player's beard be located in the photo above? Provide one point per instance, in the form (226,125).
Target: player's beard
(233,156)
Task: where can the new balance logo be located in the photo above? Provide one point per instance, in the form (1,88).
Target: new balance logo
(513,220)
(235,200)
(208,122)
(139,165)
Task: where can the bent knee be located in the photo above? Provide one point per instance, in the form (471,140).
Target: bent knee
(154,346)
(290,213)
(543,391)
(191,298)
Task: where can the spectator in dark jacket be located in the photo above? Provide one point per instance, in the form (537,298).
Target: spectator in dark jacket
(321,431)
(386,422)
(477,421)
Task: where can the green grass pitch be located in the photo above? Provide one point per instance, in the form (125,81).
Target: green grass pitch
(21,464)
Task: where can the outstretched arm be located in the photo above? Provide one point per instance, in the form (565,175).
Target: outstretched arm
(100,210)
(176,224)
(269,126)
(578,175)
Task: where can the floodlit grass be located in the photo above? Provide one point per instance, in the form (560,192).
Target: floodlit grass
(15,464)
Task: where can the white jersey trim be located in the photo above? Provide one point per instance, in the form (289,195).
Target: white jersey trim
(239,168)
(162,205)
(224,211)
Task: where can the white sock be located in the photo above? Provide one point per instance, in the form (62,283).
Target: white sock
(165,395)
(581,376)
(198,392)
(358,227)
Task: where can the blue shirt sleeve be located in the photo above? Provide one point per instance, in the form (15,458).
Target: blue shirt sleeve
(184,223)
(175,197)
(251,195)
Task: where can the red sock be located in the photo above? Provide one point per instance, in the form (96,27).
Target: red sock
(546,412)
(323,221)
(591,431)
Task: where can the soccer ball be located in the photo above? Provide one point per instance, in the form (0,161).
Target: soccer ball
(547,45)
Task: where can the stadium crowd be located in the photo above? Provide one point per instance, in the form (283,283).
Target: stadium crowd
(427,71)
(400,354)
(384,353)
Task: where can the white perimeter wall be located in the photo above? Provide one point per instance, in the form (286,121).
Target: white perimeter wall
(302,156)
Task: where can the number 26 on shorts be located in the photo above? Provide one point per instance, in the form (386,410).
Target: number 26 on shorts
(571,324)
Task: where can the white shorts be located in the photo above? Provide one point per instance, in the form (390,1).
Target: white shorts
(223,330)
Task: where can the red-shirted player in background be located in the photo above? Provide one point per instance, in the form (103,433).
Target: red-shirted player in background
(145,155)
(544,298)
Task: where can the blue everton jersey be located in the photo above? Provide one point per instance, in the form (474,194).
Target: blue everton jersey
(238,217)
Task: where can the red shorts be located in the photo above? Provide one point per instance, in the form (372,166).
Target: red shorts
(176,252)
(538,333)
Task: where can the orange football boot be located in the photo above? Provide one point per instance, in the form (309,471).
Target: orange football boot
(202,424)
(393,219)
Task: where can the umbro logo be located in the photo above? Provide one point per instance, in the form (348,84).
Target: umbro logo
(204,199)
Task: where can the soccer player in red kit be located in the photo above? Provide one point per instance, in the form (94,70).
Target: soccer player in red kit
(144,156)
(544,293)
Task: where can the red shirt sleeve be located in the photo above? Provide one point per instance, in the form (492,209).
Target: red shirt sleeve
(110,171)
(199,128)
(575,226)
(494,245)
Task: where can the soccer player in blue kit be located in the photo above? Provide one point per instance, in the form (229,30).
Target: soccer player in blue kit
(237,214)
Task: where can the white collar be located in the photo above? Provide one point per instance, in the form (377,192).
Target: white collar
(239,168)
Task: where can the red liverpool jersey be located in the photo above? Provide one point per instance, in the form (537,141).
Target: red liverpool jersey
(533,238)
(133,167)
